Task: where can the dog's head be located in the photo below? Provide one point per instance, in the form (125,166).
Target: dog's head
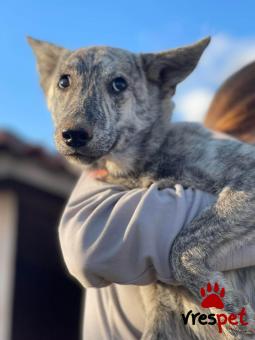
(104,99)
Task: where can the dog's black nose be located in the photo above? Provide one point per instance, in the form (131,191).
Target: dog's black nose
(75,138)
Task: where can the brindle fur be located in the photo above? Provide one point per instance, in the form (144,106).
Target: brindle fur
(134,139)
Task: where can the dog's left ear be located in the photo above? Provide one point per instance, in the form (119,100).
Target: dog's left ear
(169,68)
(47,56)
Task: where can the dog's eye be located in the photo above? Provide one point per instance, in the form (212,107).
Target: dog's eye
(118,85)
(64,81)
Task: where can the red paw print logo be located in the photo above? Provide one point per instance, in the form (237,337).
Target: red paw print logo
(212,296)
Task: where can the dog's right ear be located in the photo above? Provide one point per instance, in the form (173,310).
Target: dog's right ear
(47,56)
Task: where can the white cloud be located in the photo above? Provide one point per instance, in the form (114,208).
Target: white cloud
(224,56)
(194,104)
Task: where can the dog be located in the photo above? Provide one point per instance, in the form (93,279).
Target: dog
(111,109)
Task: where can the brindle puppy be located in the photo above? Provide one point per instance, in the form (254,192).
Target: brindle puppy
(111,109)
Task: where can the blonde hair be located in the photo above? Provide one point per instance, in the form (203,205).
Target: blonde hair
(232,110)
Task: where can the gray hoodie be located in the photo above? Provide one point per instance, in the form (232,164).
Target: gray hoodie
(114,240)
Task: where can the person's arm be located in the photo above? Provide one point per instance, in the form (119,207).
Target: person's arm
(109,234)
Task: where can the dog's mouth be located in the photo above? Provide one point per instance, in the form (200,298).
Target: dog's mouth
(87,157)
(80,157)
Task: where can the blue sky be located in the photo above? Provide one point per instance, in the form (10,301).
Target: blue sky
(135,25)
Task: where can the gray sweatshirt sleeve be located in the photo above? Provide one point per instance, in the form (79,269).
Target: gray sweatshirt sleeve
(108,234)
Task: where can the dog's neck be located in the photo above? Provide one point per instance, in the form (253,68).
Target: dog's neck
(147,143)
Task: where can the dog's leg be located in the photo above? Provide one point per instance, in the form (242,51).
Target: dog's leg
(231,219)
(150,301)
(163,308)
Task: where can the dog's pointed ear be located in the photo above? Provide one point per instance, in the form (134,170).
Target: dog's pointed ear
(169,68)
(47,56)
